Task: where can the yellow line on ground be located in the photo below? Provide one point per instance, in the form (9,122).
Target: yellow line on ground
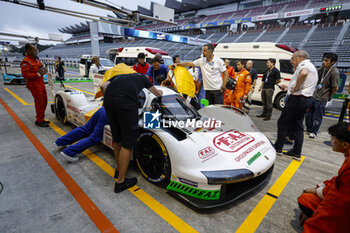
(336,115)
(254,219)
(19,98)
(328,114)
(153,204)
(90,93)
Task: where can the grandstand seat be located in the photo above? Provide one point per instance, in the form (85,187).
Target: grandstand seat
(293,6)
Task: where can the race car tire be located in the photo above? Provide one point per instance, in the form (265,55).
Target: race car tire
(279,100)
(60,110)
(152,158)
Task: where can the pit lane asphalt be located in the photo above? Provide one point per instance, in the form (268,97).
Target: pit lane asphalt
(35,200)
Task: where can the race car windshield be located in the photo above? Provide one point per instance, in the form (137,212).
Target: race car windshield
(106,62)
(174,107)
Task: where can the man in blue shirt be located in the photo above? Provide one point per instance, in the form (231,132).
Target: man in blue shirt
(157,68)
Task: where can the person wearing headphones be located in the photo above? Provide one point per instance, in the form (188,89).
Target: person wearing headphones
(328,79)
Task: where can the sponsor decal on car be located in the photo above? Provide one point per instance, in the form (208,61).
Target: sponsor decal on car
(193,192)
(232,141)
(247,151)
(192,183)
(207,153)
(75,109)
(252,159)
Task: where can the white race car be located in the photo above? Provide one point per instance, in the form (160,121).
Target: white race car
(208,157)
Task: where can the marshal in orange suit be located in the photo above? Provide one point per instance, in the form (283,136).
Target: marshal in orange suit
(326,208)
(231,73)
(243,85)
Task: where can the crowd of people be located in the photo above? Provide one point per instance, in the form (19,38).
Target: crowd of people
(324,207)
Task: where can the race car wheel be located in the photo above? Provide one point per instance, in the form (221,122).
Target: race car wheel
(60,110)
(152,159)
(279,100)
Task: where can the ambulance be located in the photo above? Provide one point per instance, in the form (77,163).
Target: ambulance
(128,55)
(259,52)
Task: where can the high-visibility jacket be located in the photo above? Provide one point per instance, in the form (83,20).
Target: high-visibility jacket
(243,86)
(35,83)
(331,205)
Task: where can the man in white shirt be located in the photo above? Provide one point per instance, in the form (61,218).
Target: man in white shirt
(212,68)
(301,89)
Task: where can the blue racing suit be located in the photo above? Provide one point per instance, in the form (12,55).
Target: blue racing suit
(90,134)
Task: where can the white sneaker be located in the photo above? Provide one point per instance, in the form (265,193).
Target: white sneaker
(60,147)
(312,135)
(69,158)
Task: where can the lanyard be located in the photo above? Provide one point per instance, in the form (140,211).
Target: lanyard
(268,74)
(324,76)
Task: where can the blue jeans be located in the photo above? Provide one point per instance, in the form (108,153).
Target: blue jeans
(313,117)
(291,118)
(89,134)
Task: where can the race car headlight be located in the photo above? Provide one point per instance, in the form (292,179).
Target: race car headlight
(227,176)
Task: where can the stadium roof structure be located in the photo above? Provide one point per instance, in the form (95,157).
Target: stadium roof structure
(179,7)
(186,5)
(73,29)
(189,5)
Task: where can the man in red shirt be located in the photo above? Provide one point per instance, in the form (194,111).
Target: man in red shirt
(142,66)
(33,71)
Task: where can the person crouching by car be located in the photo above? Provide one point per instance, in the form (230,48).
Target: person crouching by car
(270,78)
(326,207)
(33,71)
(121,105)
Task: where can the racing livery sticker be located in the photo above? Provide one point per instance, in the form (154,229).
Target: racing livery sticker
(252,159)
(73,108)
(232,141)
(206,152)
(193,192)
(247,151)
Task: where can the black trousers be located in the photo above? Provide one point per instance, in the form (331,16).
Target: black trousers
(214,97)
(266,98)
(291,118)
